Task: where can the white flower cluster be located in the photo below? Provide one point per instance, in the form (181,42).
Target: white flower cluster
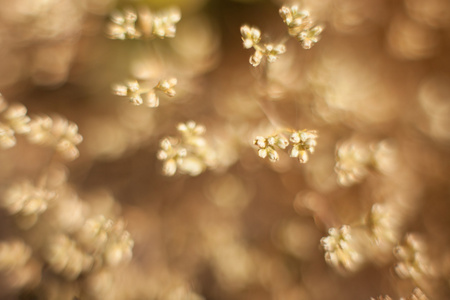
(18,267)
(251,37)
(140,94)
(302,141)
(340,251)
(267,146)
(143,24)
(14,120)
(56,132)
(189,153)
(301,26)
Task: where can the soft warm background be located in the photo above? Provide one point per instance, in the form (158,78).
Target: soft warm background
(246,229)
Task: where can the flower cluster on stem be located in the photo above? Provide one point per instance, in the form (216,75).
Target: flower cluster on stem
(268,145)
(251,37)
(300,25)
(142,94)
(56,131)
(189,153)
(302,142)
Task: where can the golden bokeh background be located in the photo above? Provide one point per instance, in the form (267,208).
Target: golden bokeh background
(376,88)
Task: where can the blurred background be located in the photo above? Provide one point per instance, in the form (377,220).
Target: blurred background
(376,88)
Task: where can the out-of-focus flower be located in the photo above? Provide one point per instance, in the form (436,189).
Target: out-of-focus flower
(7,139)
(340,251)
(123,25)
(65,257)
(381,298)
(14,254)
(102,236)
(355,159)
(15,121)
(384,224)
(143,24)
(27,200)
(352,162)
(412,260)
(56,132)
(16,116)
(416,294)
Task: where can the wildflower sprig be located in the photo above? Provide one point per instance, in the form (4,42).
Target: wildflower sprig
(143,24)
(139,94)
(300,25)
(302,142)
(251,37)
(189,153)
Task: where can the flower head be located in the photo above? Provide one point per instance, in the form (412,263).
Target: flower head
(251,36)
(267,146)
(303,141)
(189,153)
(301,26)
